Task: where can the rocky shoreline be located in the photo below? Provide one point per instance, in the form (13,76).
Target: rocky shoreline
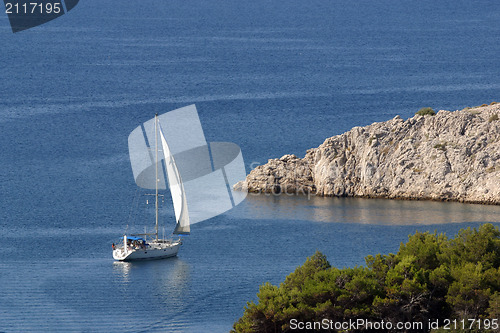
(451,156)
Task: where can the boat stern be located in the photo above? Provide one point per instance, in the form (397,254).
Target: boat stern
(120,254)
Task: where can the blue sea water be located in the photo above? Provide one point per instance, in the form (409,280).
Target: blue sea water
(274,77)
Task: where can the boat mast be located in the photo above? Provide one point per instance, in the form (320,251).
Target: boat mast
(156,194)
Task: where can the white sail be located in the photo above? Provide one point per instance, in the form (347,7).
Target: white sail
(176,189)
(208,170)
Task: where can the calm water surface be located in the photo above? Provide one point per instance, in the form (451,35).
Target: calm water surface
(274,77)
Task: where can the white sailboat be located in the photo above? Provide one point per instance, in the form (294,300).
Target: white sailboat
(138,246)
(200,175)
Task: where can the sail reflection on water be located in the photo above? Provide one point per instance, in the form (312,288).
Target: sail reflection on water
(170,274)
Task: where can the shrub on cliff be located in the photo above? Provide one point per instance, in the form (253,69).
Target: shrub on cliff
(427,111)
(430,278)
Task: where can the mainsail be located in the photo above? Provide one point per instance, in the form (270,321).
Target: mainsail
(176,189)
(201,175)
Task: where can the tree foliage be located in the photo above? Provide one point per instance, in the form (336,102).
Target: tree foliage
(431,277)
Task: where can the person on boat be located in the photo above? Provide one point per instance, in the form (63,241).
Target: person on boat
(113,246)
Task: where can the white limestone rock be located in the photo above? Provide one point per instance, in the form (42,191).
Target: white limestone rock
(450,156)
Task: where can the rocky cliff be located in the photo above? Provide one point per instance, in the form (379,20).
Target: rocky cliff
(448,156)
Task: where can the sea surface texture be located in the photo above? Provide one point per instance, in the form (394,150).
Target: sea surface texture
(274,77)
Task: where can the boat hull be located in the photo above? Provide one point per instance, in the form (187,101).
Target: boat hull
(159,250)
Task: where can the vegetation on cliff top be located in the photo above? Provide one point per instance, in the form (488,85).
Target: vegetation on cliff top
(431,277)
(427,111)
